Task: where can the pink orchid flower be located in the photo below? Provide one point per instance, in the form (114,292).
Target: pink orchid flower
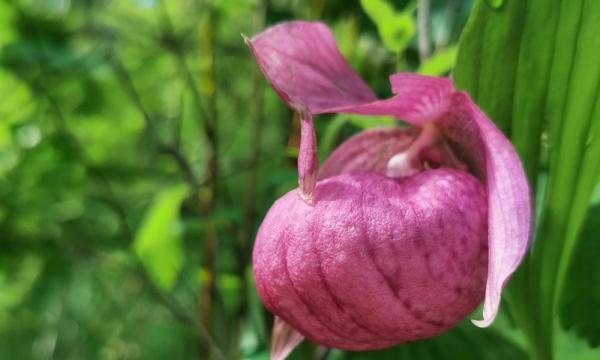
(403,231)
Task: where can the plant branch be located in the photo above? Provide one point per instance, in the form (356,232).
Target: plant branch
(423,18)
(166,148)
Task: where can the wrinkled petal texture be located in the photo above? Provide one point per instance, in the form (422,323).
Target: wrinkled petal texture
(358,270)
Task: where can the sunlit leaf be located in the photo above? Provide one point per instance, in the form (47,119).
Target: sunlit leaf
(441,63)
(158,240)
(395,28)
(17,276)
(464,342)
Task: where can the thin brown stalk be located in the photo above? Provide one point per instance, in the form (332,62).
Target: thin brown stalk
(250,195)
(452,9)
(208,122)
(424,26)
(164,147)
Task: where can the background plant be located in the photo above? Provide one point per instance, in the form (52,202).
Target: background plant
(140,148)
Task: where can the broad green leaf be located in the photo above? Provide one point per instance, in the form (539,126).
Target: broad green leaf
(495,3)
(158,240)
(378,10)
(580,308)
(464,342)
(395,28)
(441,63)
(527,81)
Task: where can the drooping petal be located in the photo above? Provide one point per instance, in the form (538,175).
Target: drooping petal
(284,339)
(368,151)
(493,158)
(303,64)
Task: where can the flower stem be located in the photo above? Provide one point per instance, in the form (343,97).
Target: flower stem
(308,161)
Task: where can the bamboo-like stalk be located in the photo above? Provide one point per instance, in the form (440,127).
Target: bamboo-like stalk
(208,199)
(423,23)
(208,195)
(256,127)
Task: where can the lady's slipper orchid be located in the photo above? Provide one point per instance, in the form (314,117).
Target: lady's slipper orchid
(403,231)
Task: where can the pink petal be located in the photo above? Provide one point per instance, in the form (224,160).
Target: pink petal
(303,64)
(284,339)
(493,158)
(418,99)
(368,150)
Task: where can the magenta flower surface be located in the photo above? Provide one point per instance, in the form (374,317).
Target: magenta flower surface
(403,231)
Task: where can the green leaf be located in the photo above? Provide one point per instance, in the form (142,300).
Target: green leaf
(495,3)
(396,29)
(378,10)
(158,240)
(465,342)
(580,308)
(527,81)
(441,63)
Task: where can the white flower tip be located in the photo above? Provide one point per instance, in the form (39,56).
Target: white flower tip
(482,323)
(401,165)
(246,39)
(285,338)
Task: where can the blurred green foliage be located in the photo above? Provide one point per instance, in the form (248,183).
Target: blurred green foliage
(139,150)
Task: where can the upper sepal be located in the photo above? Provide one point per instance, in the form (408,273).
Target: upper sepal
(302,62)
